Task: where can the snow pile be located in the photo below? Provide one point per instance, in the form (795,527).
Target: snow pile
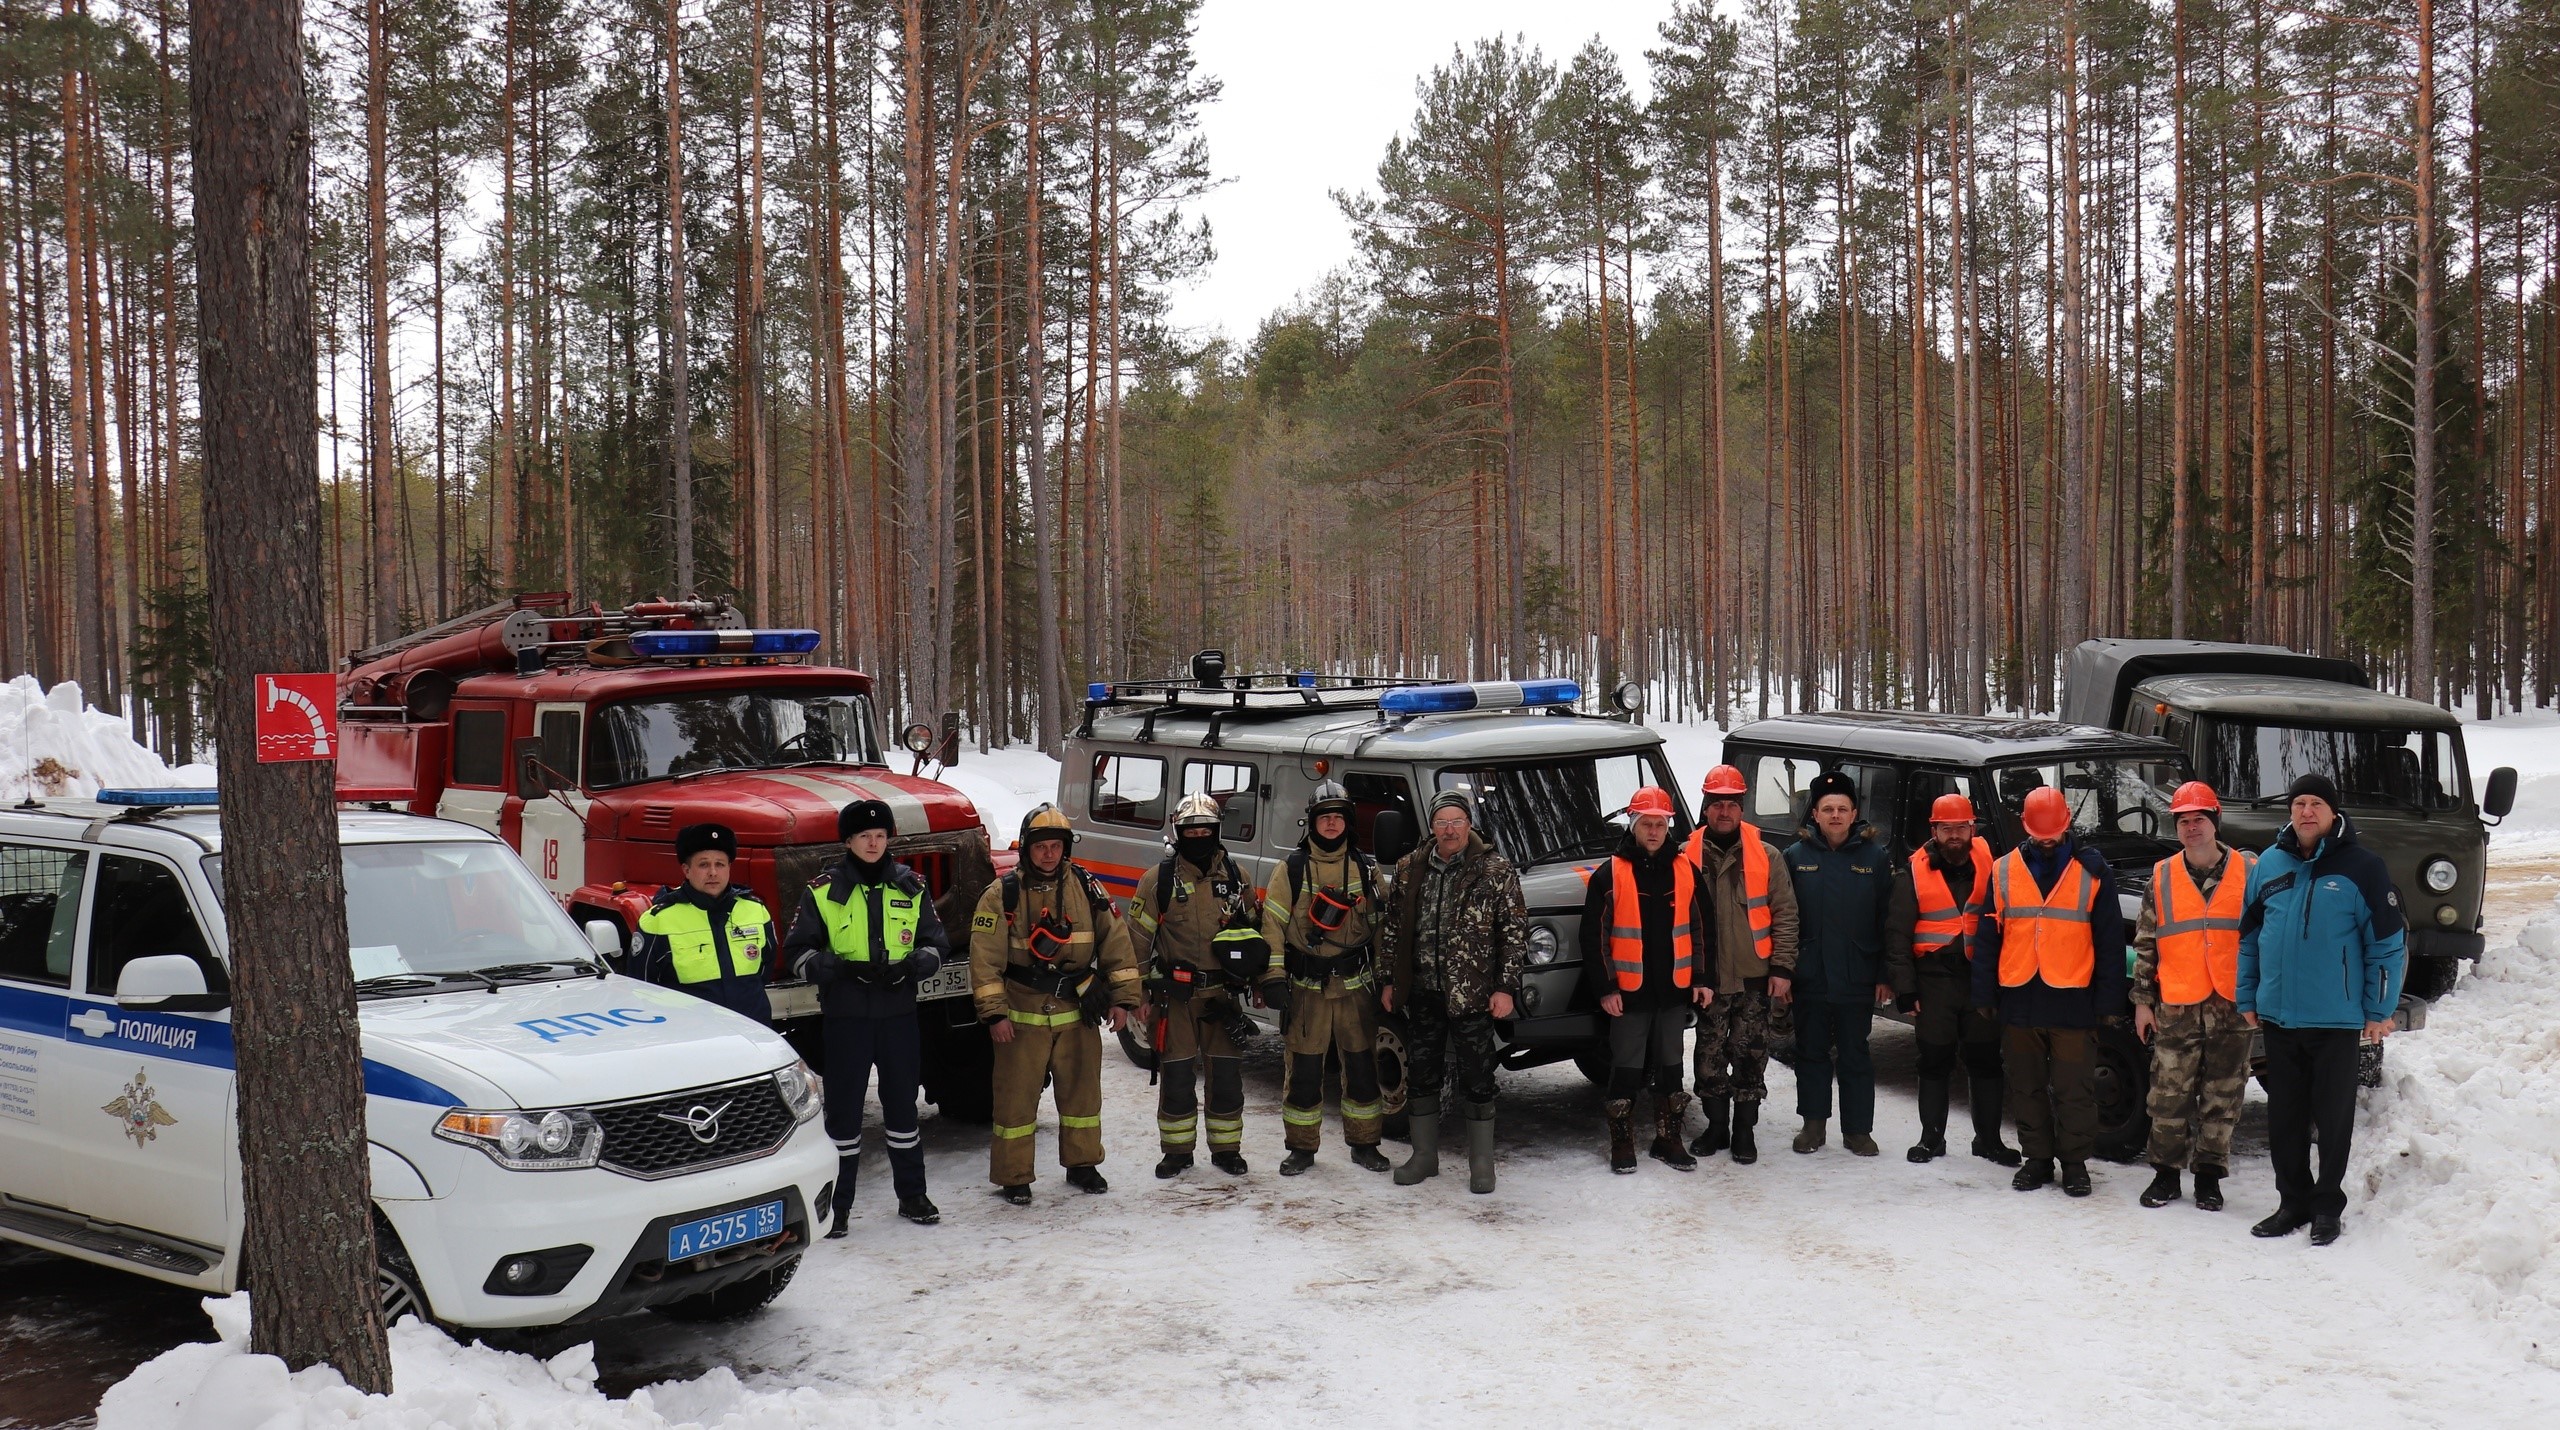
(2460,1147)
(1004,784)
(216,1385)
(2528,740)
(54,746)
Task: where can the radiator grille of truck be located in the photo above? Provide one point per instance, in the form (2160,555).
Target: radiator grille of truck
(663,1136)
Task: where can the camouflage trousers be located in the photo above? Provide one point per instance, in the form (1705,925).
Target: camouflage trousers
(1432,1034)
(1732,1055)
(2199,1074)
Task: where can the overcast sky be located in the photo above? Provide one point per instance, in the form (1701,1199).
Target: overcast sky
(1314,90)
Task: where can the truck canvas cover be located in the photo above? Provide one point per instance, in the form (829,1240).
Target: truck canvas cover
(2103,673)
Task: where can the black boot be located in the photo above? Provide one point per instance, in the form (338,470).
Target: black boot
(1985,1095)
(1087,1179)
(847,1168)
(1370,1159)
(2283,1221)
(2208,1188)
(1018,1195)
(1746,1144)
(1670,1109)
(1718,1135)
(2033,1175)
(2324,1229)
(1296,1162)
(1933,1121)
(919,1209)
(2164,1186)
(1172,1164)
(2075,1179)
(1229,1161)
(1622,1135)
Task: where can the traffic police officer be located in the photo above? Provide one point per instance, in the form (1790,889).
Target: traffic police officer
(706,935)
(867,934)
(1197,928)
(1046,955)
(1320,910)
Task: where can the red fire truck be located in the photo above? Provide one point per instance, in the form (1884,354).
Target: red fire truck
(586,738)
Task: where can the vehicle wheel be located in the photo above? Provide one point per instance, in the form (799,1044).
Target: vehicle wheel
(1594,1063)
(960,1073)
(395,1278)
(733,1301)
(1392,1091)
(1137,1040)
(2431,978)
(2123,1077)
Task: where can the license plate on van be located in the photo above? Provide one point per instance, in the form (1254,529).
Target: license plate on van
(711,1233)
(951,982)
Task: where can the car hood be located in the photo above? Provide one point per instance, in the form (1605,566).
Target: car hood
(787,806)
(567,1043)
(1556,888)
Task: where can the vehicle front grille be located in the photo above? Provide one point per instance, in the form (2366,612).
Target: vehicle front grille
(658,1137)
(954,866)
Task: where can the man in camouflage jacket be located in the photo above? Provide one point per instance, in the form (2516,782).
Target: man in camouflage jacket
(1455,929)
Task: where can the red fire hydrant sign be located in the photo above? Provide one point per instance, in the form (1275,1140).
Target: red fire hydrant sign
(297,718)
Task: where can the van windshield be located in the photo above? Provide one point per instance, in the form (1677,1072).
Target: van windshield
(2119,804)
(1556,810)
(444,915)
(680,735)
(2372,765)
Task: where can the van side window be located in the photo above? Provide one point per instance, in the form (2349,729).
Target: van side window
(1371,795)
(39,906)
(1232,786)
(1778,786)
(1875,798)
(480,748)
(141,910)
(1128,789)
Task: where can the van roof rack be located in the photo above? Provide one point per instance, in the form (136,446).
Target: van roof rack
(1275,693)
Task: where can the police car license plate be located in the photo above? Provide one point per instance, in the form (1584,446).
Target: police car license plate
(711,1233)
(951,982)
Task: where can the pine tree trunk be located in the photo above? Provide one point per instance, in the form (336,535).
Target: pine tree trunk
(1049,701)
(2423,673)
(382,477)
(679,351)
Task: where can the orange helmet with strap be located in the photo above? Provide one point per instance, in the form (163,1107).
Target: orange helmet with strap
(1724,780)
(1951,809)
(2195,797)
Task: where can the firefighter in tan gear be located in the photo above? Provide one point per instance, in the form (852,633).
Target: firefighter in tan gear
(1196,925)
(1320,910)
(1048,962)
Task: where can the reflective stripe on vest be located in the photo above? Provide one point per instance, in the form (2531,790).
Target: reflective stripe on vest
(1626,941)
(2044,935)
(2198,938)
(849,923)
(1941,921)
(1755,884)
(693,951)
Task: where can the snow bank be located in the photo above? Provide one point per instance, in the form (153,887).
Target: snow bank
(52,744)
(2460,1147)
(1004,785)
(219,1385)
(2529,740)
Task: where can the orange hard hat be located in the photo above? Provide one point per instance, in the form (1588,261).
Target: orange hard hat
(2045,814)
(1951,809)
(2195,797)
(1651,799)
(1725,779)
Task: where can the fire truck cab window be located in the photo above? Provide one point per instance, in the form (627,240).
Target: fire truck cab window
(480,748)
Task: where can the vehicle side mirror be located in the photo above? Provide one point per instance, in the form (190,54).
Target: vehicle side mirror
(2500,796)
(167,982)
(1390,836)
(605,937)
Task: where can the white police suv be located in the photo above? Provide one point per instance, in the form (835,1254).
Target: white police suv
(549,1142)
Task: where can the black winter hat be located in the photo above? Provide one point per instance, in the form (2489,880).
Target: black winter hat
(864,814)
(695,838)
(2318,786)
(1830,783)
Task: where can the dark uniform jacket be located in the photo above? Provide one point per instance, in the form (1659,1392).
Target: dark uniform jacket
(1654,885)
(2036,1003)
(741,992)
(1842,896)
(885,994)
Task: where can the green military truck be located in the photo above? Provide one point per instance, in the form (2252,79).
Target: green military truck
(2252,718)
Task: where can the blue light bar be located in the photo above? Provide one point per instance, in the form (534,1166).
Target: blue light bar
(1306,680)
(158,798)
(662,645)
(1481,695)
(1098,691)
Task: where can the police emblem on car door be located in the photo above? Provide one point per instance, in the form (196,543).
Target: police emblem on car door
(139,1110)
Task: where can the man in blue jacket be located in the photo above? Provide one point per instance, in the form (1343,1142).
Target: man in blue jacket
(1843,886)
(2321,956)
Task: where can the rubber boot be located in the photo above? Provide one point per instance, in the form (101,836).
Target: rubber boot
(1669,1111)
(2164,1186)
(1933,1121)
(1812,1137)
(1746,1141)
(1296,1162)
(2075,1179)
(847,1168)
(1717,1137)
(1987,1095)
(2208,1188)
(1622,1135)
(1370,1159)
(1479,1147)
(2032,1175)
(1425,1137)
